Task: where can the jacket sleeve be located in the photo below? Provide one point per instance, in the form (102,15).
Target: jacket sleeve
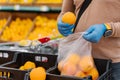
(67,5)
(115,28)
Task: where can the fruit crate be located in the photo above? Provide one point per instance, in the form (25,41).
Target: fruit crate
(18,59)
(103,67)
(6,56)
(7,17)
(44,23)
(22,15)
(21,19)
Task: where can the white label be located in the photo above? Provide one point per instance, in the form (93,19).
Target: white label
(44,59)
(0,54)
(0,7)
(17,7)
(5,55)
(41,59)
(37,58)
(44,8)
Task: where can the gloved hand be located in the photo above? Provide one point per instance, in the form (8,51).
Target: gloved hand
(95,33)
(65,29)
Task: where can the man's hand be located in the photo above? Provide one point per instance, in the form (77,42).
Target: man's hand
(65,29)
(95,33)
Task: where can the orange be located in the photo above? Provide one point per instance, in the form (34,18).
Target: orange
(69,69)
(29,65)
(7,74)
(80,74)
(94,73)
(21,68)
(62,73)
(86,63)
(60,65)
(69,18)
(73,58)
(38,74)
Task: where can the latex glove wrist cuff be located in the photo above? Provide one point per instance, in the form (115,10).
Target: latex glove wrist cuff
(108,32)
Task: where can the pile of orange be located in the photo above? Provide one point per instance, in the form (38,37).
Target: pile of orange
(17,29)
(44,27)
(38,73)
(74,65)
(2,23)
(28,65)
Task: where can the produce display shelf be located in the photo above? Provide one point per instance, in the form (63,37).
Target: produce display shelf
(41,8)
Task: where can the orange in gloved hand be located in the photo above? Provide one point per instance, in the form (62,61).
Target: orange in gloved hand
(69,18)
(38,74)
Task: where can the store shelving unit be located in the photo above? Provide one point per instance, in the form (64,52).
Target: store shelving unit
(31,7)
(48,10)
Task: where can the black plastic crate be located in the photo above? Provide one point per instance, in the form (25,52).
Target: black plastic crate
(103,67)
(6,56)
(19,59)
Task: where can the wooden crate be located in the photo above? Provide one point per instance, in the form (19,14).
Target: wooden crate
(21,16)
(6,16)
(47,15)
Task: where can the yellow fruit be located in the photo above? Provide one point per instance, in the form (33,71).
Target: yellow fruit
(24,42)
(60,65)
(69,18)
(29,65)
(5,74)
(68,66)
(44,27)
(86,63)
(38,74)
(69,69)
(94,73)
(49,1)
(22,68)
(3,1)
(80,74)
(2,23)
(73,58)
(17,30)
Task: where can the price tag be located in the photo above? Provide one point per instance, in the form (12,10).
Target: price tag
(5,55)
(44,8)
(0,7)
(17,7)
(1,54)
(38,58)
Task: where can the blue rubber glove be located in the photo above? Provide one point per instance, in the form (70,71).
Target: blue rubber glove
(65,29)
(94,33)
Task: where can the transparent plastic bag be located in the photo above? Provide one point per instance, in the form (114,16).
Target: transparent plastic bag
(75,58)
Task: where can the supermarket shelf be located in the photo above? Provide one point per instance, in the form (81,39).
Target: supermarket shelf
(31,8)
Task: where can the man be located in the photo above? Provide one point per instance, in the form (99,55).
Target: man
(101,22)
